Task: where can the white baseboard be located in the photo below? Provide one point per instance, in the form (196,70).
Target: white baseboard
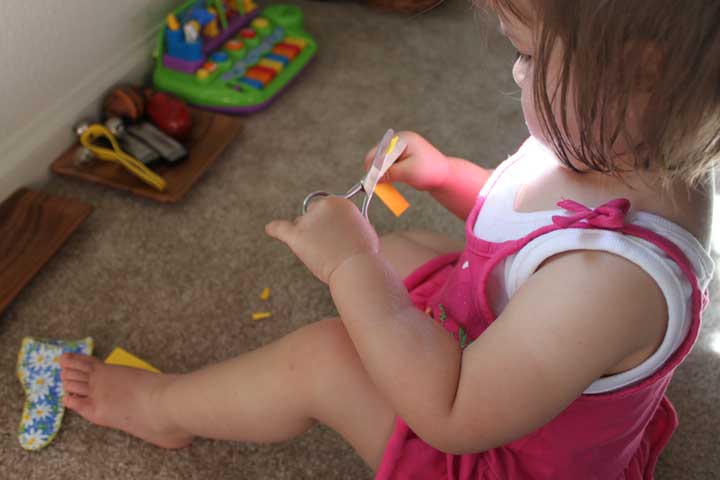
(26,154)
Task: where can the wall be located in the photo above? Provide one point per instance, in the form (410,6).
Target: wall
(58,60)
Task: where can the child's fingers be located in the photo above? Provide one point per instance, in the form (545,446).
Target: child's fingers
(280,230)
(397,173)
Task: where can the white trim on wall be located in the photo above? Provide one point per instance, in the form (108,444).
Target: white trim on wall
(26,154)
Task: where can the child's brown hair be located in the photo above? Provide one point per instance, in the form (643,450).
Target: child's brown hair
(613,49)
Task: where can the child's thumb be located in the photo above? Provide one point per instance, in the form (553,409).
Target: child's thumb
(280,230)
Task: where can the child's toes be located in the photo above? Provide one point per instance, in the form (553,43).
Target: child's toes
(74,361)
(72,374)
(81,405)
(76,387)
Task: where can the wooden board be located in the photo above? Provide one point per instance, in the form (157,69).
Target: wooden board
(33,226)
(210,134)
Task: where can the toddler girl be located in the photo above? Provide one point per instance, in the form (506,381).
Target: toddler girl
(542,347)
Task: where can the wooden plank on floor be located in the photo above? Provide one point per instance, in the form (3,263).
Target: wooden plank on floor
(33,227)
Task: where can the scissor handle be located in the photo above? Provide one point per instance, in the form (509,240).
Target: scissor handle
(358,187)
(312,196)
(366,205)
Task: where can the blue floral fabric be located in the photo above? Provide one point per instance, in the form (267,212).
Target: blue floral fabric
(38,370)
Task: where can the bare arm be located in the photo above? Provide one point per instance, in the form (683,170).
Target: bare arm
(463,183)
(413,361)
(530,364)
(575,319)
(453,182)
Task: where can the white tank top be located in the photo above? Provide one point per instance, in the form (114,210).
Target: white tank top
(499,222)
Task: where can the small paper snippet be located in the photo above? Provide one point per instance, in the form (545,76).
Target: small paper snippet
(124,358)
(392,198)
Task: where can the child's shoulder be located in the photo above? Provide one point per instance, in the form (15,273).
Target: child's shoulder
(607,300)
(545,181)
(616,278)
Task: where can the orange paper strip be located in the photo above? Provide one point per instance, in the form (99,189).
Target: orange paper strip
(392,198)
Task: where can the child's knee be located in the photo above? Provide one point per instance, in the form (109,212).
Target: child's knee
(328,354)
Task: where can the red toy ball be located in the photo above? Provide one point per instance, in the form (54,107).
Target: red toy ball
(169,114)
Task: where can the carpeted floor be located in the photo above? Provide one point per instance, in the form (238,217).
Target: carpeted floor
(176,284)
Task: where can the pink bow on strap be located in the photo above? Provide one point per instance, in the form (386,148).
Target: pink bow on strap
(610,215)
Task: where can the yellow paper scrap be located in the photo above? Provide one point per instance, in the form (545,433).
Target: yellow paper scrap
(126,359)
(261,315)
(265,294)
(393,142)
(392,198)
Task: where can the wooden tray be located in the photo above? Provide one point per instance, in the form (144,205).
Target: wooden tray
(211,133)
(33,226)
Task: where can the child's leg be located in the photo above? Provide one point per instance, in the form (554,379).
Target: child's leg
(270,394)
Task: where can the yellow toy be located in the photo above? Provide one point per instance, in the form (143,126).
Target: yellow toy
(172,22)
(90,134)
(212,29)
(249,6)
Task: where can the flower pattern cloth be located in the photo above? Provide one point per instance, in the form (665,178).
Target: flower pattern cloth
(38,370)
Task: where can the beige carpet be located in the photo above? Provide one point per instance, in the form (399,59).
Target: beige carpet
(176,284)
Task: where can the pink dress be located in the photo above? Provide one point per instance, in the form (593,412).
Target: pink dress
(613,435)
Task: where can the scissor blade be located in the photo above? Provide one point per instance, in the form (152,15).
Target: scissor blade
(396,148)
(376,169)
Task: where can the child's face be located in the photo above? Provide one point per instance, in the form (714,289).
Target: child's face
(522,37)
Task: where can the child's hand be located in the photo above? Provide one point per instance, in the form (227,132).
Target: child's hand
(332,231)
(421,165)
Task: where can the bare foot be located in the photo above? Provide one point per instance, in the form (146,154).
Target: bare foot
(120,397)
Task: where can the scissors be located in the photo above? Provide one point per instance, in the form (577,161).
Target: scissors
(368,183)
